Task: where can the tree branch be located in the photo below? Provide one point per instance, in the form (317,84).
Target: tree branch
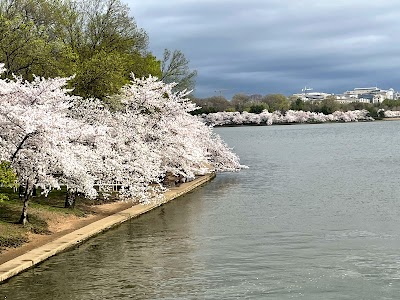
(22,143)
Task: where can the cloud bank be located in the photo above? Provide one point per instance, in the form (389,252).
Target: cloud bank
(264,47)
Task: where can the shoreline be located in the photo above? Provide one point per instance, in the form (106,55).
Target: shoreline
(305,123)
(66,240)
(295,123)
(391,119)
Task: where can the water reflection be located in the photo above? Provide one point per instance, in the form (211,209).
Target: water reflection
(122,264)
(315,217)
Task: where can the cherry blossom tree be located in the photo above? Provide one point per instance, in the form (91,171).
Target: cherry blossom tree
(276,117)
(125,159)
(52,139)
(186,146)
(391,113)
(36,135)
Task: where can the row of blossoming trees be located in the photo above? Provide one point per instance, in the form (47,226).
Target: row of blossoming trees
(276,117)
(53,139)
(391,113)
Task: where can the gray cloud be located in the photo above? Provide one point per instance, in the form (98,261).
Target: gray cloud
(273,46)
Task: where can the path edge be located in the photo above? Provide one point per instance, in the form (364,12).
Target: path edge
(71,240)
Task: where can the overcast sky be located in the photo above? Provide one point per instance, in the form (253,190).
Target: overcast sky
(278,46)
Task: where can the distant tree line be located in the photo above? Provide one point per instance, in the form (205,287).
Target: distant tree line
(279,102)
(241,102)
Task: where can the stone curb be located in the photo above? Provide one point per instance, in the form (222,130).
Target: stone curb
(38,255)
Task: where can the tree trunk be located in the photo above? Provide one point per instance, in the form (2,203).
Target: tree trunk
(24,215)
(70,199)
(21,191)
(27,194)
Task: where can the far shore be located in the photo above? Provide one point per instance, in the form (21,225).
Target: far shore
(391,119)
(294,123)
(306,123)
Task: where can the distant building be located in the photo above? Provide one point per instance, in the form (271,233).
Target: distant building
(343,99)
(317,96)
(363,95)
(311,96)
(371,94)
(366,90)
(346,98)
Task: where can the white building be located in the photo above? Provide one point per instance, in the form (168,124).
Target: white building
(311,96)
(363,95)
(316,96)
(350,98)
(370,94)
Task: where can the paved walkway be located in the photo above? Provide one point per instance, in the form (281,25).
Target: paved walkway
(36,256)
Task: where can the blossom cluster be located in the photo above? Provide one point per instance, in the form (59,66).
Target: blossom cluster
(392,114)
(51,138)
(276,117)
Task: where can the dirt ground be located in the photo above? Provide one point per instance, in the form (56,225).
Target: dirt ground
(61,225)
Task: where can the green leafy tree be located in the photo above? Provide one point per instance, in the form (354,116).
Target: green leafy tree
(111,47)
(391,104)
(97,40)
(276,102)
(104,73)
(101,75)
(8,178)
(258,108)
(175,68)
(25,50)
(107,26)
(329,105)
(297,104)
(240,101)
(212,105)
(30,35)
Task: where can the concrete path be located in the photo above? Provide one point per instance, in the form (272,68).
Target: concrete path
(36,256)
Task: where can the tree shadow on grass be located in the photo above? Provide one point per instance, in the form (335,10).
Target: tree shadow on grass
(13,235)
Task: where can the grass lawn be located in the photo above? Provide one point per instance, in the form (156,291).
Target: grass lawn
(41,209)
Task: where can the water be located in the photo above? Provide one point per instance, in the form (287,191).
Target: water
(316,216)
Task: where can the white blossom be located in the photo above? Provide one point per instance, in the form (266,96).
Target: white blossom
(276,117)
(392,114)
(52,138)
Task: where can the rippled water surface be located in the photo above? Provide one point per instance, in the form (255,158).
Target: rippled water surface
(316,216)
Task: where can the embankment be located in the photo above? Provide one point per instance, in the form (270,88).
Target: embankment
(70,240)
